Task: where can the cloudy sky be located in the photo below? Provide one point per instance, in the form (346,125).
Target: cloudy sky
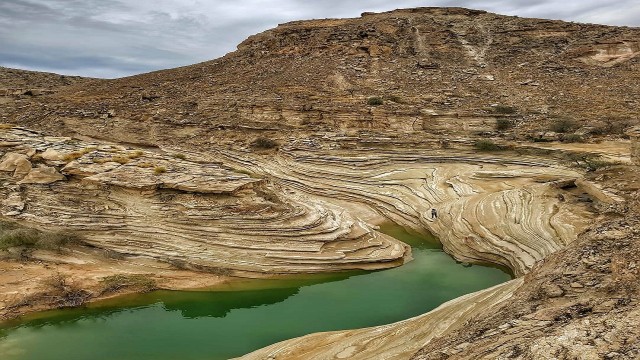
(114,38)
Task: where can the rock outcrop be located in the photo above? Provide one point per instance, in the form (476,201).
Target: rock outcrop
(362,121)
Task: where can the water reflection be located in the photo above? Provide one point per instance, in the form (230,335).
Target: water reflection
(238,318)
(191,305)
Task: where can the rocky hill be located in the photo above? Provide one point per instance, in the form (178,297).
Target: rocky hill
(284,156)
(440,69)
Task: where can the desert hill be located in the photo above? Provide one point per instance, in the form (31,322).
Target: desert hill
(284,157)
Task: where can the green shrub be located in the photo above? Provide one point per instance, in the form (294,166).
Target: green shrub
(572,138)
(501,109)
(590,162)
(180,156)
(159,170)
(19,238)
(504,124)
(375,101)
(264,143)
(611,126)
(486,145)
(563,126)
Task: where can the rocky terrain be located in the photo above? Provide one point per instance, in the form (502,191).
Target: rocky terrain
(284,156)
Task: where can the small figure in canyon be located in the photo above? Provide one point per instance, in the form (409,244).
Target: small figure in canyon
(434,214)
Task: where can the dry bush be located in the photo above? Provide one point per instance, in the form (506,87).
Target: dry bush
(486,145)
(140,282)
(145,165)
(15,236)
(264,143)
(120,159)
(135,154)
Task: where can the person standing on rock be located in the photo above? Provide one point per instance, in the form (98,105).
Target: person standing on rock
(434,213)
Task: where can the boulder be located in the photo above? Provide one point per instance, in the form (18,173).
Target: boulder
(42,175)
(52,155)
(17,163)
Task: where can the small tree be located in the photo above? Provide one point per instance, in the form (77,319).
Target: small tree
(486,145)
(563,126)
(503,124)
(375,101)
(264,143)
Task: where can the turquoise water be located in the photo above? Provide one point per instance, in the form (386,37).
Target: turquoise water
(238,319)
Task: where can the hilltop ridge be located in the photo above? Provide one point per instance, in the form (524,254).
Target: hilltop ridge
(432,67)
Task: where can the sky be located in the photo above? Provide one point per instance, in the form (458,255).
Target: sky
(116,38)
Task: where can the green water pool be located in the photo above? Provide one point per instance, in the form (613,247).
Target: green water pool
(238,319)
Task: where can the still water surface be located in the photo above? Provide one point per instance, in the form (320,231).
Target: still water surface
(238,319)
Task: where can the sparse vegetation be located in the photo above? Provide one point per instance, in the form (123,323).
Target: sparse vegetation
(572,138)
(590,162)
(64,293)
(78,154)
(180,156)
(120,159)
(14,236)
(140,282)
(506,110)
(375,101)
(159,170)
(145,165)
(264,143)
(504,124)
(72,156)
(611,126)
(563,126)
(486,145)
(6,126)
(135,154)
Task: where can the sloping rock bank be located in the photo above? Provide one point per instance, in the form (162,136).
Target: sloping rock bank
(581,301)
(302,209)
(184,211)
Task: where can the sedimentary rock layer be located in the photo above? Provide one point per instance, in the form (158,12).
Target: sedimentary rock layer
(184,211)
(302,210)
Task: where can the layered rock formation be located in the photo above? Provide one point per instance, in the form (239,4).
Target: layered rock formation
(300,211)
(375,119)
(193,213)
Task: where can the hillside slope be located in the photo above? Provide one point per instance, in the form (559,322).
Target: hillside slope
(439,69)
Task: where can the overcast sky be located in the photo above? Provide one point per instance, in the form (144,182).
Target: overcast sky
(114,38)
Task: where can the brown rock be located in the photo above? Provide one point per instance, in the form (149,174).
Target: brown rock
(42,175)
(17,163)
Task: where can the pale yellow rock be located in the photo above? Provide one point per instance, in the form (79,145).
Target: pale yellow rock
(17,163)
(52,155)
(88,169)
(42,175)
